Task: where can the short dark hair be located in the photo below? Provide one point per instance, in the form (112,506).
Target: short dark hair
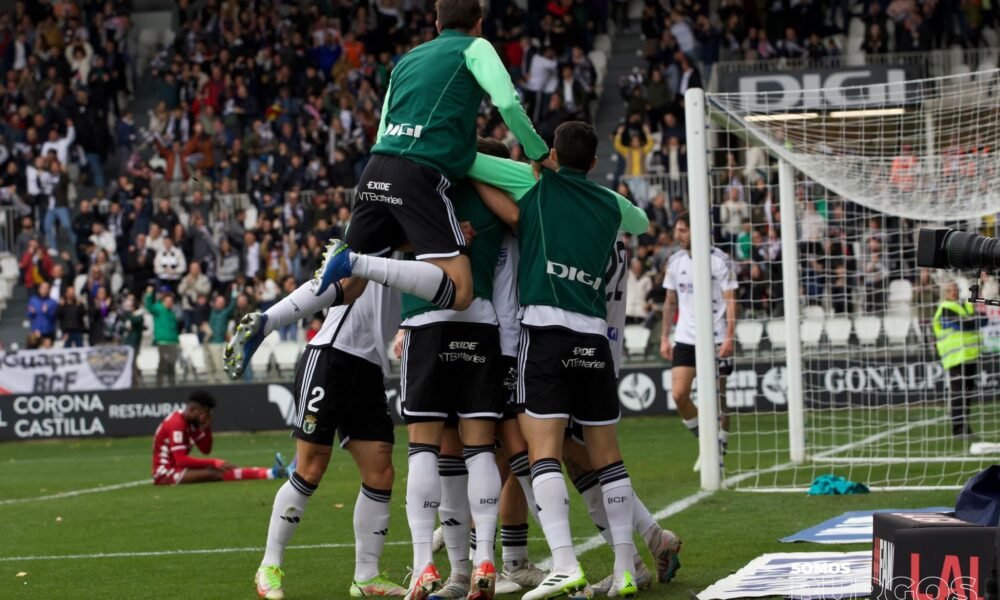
(493,147)
(576,145)
(458,14)
(683,218)
(202,398)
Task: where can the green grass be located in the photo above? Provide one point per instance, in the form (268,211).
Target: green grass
(722,532)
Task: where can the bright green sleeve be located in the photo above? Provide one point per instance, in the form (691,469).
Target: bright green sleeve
(634,219)
(513,177)
(385,111)
(485,65)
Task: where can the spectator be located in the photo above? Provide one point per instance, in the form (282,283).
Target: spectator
(101,315)
(36,267)
(71,314)
(193,285)
(634,151)
(131,326)
(290,331)
(57,189)
(42,313)
(169,265)
(813,225)
(220,317)
(60,145)
(228,268)
(165,333)
(638,286)
(139,264)
(315,324)
(103,239)
(542,81)
(59,281)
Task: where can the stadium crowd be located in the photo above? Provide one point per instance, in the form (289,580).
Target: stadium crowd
(262,117)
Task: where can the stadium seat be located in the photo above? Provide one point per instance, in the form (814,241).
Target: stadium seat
(5,291)
(9,269)
(260,362)
(148,361)
(814,312)
(867,329)
(286,355)
(196,360)
(636,340)
(811,331)
(187,341)
(749,333)
(897,329)
(777,333)
(900,291)
(838,330)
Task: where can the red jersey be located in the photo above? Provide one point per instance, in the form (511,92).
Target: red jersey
(172,444)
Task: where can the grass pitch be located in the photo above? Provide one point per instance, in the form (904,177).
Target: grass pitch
(206,541)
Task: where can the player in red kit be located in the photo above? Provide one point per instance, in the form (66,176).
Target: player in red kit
(172,463)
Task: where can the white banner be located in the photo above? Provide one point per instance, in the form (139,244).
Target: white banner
(812,575)
(66,370)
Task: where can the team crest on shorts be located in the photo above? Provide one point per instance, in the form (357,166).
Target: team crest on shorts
(309,424)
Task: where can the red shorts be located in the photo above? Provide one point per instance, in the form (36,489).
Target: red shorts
(165,476)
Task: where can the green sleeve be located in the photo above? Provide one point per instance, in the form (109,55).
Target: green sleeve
(485,65)
(385,111)
(634,219)
(513,177)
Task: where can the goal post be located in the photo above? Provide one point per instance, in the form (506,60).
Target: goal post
(818,204)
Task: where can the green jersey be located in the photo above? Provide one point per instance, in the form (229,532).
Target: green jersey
(433,98)
(484,252)
(568,226)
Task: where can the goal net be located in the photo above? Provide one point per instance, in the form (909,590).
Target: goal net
(863,169)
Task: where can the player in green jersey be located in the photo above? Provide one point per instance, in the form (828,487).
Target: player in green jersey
(426,140)
(567,228)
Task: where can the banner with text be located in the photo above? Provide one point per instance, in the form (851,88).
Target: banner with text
(66,369)
(642,391)
(871,86)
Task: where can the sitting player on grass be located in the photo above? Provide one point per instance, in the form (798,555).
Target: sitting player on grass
(172,463)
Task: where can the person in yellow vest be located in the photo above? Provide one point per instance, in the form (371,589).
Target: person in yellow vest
(956,327)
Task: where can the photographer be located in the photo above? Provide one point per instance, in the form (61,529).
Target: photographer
(956,327)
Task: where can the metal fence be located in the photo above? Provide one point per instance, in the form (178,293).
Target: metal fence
(10,217)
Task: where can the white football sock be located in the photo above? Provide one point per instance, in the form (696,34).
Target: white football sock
(642,521)
(587,486)
(454,512)
(484,497)
(414,277)
(289,504)
(423,496)
(300,304)
(692,425)
(371,526)
(514,543)
(553,500)
(521,469)
(616,488)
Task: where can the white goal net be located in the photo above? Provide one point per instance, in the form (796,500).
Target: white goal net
(868,167)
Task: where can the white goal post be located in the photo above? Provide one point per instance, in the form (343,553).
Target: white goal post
(818,205)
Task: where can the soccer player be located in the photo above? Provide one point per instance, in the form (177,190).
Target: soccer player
(679,283)
(172,463)
(451,363)
(663,544)
(567,230)
(340,390)
(426,141)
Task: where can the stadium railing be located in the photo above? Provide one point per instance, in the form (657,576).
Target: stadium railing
(9,224)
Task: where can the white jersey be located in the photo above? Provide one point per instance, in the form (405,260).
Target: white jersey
(616,288)
(680,278)
(364,328)
(505,296)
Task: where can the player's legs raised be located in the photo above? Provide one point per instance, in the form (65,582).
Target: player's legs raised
(445,282)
